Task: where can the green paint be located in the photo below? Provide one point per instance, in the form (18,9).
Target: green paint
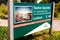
(21,31)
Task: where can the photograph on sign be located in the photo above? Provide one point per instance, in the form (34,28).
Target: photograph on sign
(22,13)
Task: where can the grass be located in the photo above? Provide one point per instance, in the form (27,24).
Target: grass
(57,18)
(42,35)
(55,36)
(3,33)
(46,36)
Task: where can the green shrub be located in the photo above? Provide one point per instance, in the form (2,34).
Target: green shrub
(3,33)
(3,10)
(2,15)
(55,36)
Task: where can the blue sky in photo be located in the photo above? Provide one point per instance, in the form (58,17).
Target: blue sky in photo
(23,9)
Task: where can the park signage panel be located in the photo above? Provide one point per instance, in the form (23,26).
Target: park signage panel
(30,18)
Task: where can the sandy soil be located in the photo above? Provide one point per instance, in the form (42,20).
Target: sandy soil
(3,22)
(56,25)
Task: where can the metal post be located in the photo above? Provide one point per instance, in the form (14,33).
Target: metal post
(52,17)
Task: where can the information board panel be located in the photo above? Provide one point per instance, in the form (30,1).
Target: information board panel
(30,18)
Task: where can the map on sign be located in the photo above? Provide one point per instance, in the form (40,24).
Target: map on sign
(30,18)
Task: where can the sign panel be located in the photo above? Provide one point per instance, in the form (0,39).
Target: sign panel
(29,18)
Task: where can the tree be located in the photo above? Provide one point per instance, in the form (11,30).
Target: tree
(15,0)
(58,7)
(3,1)
(45,1)
(57,10)
(56,1)
(31,1)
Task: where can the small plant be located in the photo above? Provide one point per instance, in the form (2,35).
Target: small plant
(3,10)
(3,33)
(2,15)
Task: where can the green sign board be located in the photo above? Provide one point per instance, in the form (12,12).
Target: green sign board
(29,18)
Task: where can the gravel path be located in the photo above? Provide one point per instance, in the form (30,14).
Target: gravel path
(3,22)
(56,25)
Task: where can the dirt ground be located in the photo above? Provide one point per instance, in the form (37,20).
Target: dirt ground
(56,25)
(3,22)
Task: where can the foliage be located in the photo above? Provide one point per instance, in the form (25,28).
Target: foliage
(3,33)
(57,11)
(2,15)
(55,36)
(15,0)
(3,10)
(45,1)
(3,1)
(57,7)
(32,1)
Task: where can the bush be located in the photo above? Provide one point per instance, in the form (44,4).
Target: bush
(2,15)
(3,8)
(3,11)
(55,36)
(57,11)
(3,33)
